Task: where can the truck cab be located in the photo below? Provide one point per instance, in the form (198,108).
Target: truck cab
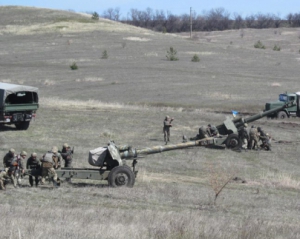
(286,112)
(18,104)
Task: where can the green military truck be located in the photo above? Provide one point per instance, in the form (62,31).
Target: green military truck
(285,112)
(18,104)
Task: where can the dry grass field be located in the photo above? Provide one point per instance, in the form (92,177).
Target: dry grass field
(125,98)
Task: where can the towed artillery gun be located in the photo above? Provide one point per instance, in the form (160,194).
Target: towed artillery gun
(229,129)
(111,160)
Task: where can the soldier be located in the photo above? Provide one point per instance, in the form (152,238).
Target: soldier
(33,164)
(49,164)
(166,129)
(203,133)
(17,168)
(212,131)
(253,143)
(265,139)
(66,154)
(3,176)
(244,136)
(8,158)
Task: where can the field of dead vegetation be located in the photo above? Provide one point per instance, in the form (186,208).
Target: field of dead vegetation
(125,98)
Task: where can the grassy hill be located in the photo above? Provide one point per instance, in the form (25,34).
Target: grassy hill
(125,98)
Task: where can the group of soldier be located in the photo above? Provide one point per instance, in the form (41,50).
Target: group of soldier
(37,169)
(255,139)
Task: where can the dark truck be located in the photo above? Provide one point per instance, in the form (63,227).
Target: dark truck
(288,111)
(18,104)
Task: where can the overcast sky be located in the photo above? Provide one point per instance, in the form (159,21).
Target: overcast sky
(177,7)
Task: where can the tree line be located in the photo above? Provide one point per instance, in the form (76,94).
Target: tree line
(213,20)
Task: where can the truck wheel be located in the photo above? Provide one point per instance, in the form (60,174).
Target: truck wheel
(121,176)
(233,141)
(281,115)
(22,125)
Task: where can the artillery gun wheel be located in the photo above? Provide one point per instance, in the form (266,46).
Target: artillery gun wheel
(281,115)
(233,141)
(22,125)
(121,176)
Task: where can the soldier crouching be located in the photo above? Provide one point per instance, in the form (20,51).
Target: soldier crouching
(51,161)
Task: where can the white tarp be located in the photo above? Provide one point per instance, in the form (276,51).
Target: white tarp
(97,156)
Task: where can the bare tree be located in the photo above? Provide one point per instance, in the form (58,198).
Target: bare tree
(238,21)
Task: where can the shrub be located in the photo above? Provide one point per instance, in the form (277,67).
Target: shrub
(95,16)
(74,66)
(259,45)
(171,54)
(195,58)
(104,54)
(276,48)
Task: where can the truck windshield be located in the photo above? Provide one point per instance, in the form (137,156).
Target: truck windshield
(283,97)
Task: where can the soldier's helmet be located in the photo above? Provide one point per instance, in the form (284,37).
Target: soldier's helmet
(209,125)
(12,151)
(167,117)
(245,125)
(54,149)
(33,154)
(259,128)
(23,153)
(252,126)
(65,145)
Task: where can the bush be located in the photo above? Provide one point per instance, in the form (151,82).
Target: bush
(276,48)
(259,45)
(195,58)
(104,54)
(171,54)
(74,66)
(95,16)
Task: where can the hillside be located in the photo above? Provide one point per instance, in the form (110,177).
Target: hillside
(125,98)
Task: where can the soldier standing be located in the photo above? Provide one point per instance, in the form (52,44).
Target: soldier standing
(17,168)
(66,154)
(8,158)
(50,162)
(166,128)
(253,138)
(244,137)
(33,164)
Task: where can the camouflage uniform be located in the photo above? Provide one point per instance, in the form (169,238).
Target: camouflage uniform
(253,144)
(166,128)
(265,139)
(17,168)
(51,161)
(8,158)
(66,154)
(33,164)
(3,176)
(203,132)
(244,136)
(212,131)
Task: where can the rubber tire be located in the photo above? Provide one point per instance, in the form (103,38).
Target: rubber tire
(121,176)
(233,141)
(281,115)
(22,125)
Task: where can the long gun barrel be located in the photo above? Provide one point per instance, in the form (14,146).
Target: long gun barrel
(263,114)
(231,126)
(133,153)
